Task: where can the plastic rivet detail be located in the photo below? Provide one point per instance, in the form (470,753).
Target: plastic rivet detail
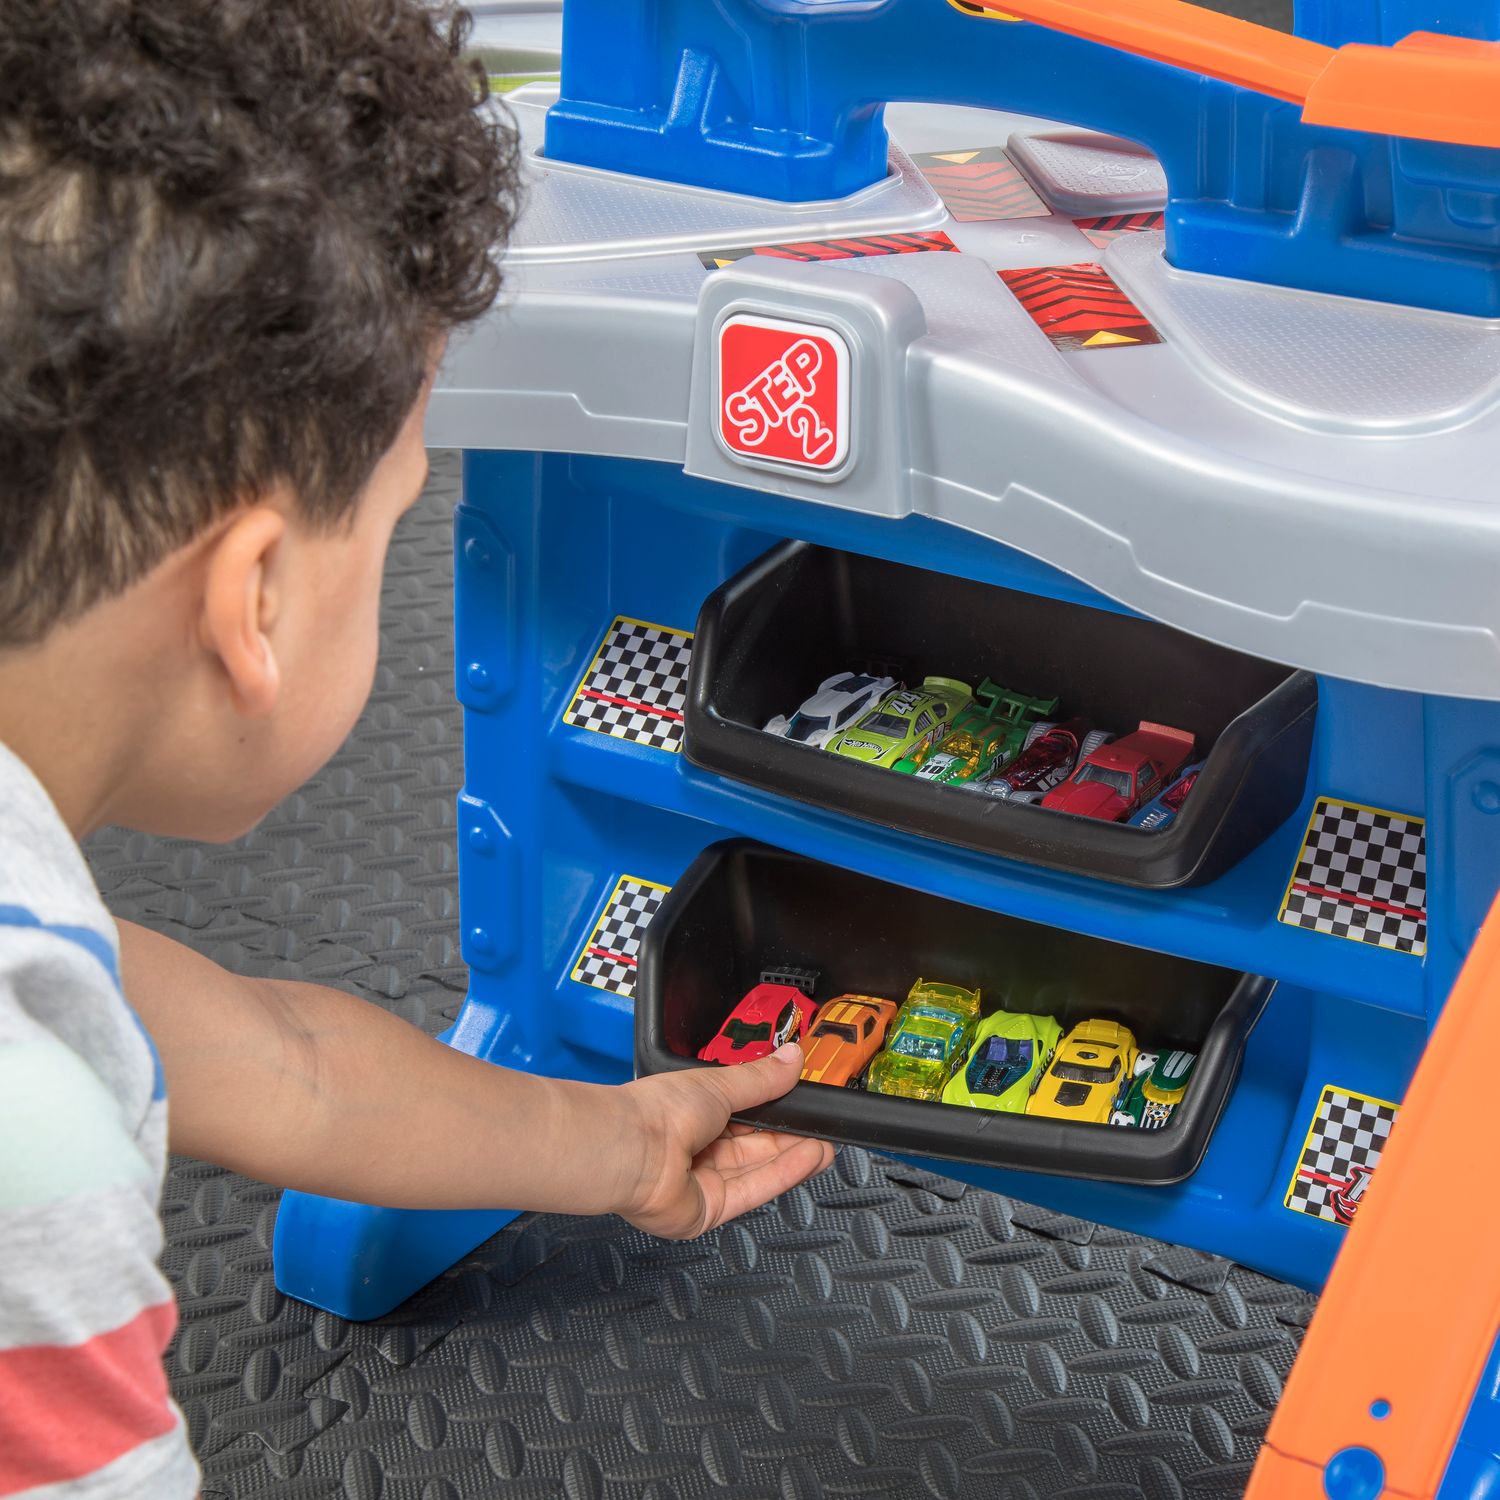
(476,552)
(1486,796)
(481,943)
(1380,1410)
(1354,1474)
(481,840)
(478,676)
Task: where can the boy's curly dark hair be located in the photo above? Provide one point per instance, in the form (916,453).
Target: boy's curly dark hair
(230,234)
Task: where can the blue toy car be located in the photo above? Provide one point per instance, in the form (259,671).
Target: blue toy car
(1162,809)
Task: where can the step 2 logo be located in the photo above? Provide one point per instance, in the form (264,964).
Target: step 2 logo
(784,392)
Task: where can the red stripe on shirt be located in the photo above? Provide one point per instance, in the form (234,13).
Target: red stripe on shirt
(67,1410)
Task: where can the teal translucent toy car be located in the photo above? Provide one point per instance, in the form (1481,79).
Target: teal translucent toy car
(928,1040)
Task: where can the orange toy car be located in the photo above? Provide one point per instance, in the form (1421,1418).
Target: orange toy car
(846,1033)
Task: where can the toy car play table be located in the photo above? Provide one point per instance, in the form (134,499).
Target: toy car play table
(1260,511)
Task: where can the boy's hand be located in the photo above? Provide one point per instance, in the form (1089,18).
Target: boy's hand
(273,1078)
(696,1169)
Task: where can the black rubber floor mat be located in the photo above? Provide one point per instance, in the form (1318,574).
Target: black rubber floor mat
(863,1336)
(884,1331)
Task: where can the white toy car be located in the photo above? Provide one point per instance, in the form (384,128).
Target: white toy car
(838,702)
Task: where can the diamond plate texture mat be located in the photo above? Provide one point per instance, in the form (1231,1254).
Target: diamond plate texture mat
(882,1331)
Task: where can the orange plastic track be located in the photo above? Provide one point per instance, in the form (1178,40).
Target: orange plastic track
(1384,1331)
(1431,87)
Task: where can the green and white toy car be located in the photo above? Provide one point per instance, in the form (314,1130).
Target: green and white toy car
(1157,1091)
(985,736)
(904,723)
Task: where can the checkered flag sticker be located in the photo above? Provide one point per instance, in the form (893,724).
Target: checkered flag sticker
(1343,1147)
(1362,875)
(610,956)
(636,685)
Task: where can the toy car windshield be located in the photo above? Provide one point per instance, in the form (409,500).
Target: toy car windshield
(1118,781)
(805,726)
(853,684)
(1000,1063)
(918,1046)
(742,1033)
(892,724)
(836,1028)
(1086,1072)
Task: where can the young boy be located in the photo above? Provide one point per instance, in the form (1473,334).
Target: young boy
(233,239)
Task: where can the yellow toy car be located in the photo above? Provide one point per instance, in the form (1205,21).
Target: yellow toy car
(1091,1069)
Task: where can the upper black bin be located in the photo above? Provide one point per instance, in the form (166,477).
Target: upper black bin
(802,613)
(742,908)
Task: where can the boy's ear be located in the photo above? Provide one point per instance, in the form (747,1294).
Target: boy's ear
(240,603)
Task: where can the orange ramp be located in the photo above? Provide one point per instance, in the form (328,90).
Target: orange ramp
(1428,86)
(1385,1337)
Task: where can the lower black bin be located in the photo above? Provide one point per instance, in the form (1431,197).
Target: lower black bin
(768,636)
(743,907)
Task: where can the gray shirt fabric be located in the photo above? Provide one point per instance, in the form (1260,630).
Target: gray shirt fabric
(85,1311)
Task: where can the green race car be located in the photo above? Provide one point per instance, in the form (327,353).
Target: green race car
(986,736)
(904,722)
(1157,1091)
(928,1040)
(1009,1054)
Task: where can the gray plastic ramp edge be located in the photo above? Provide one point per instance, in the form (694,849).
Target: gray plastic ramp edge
(1338,578)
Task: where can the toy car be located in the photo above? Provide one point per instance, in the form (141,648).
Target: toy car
(1008,1056)
(845,1035)
(984,737)
(1162,810)
(903,722)
(1111,782)
(838,702)
(1050,751)
(928,1042)
(1091,1069)
(1156,1091)
(777,1010)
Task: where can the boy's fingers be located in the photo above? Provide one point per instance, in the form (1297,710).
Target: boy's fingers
(759,1184)
(747,1084)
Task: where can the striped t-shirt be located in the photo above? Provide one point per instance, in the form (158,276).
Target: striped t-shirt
(85,1311)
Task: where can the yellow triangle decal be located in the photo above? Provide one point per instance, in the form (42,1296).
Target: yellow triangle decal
(721,261)
(958,158)
(1100,340)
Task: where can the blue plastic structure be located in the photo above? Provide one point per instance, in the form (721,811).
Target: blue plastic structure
(784,99)
(1473,1472)
(552,815)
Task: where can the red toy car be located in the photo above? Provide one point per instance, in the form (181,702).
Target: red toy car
(1050,752)
(779,1009)
(1114,780)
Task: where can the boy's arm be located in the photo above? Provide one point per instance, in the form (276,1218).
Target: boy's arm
(308,1087)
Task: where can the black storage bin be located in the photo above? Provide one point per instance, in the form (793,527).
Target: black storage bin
(802,613)
(743,907)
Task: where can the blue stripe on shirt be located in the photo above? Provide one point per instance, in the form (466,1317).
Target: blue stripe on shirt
(97,946)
